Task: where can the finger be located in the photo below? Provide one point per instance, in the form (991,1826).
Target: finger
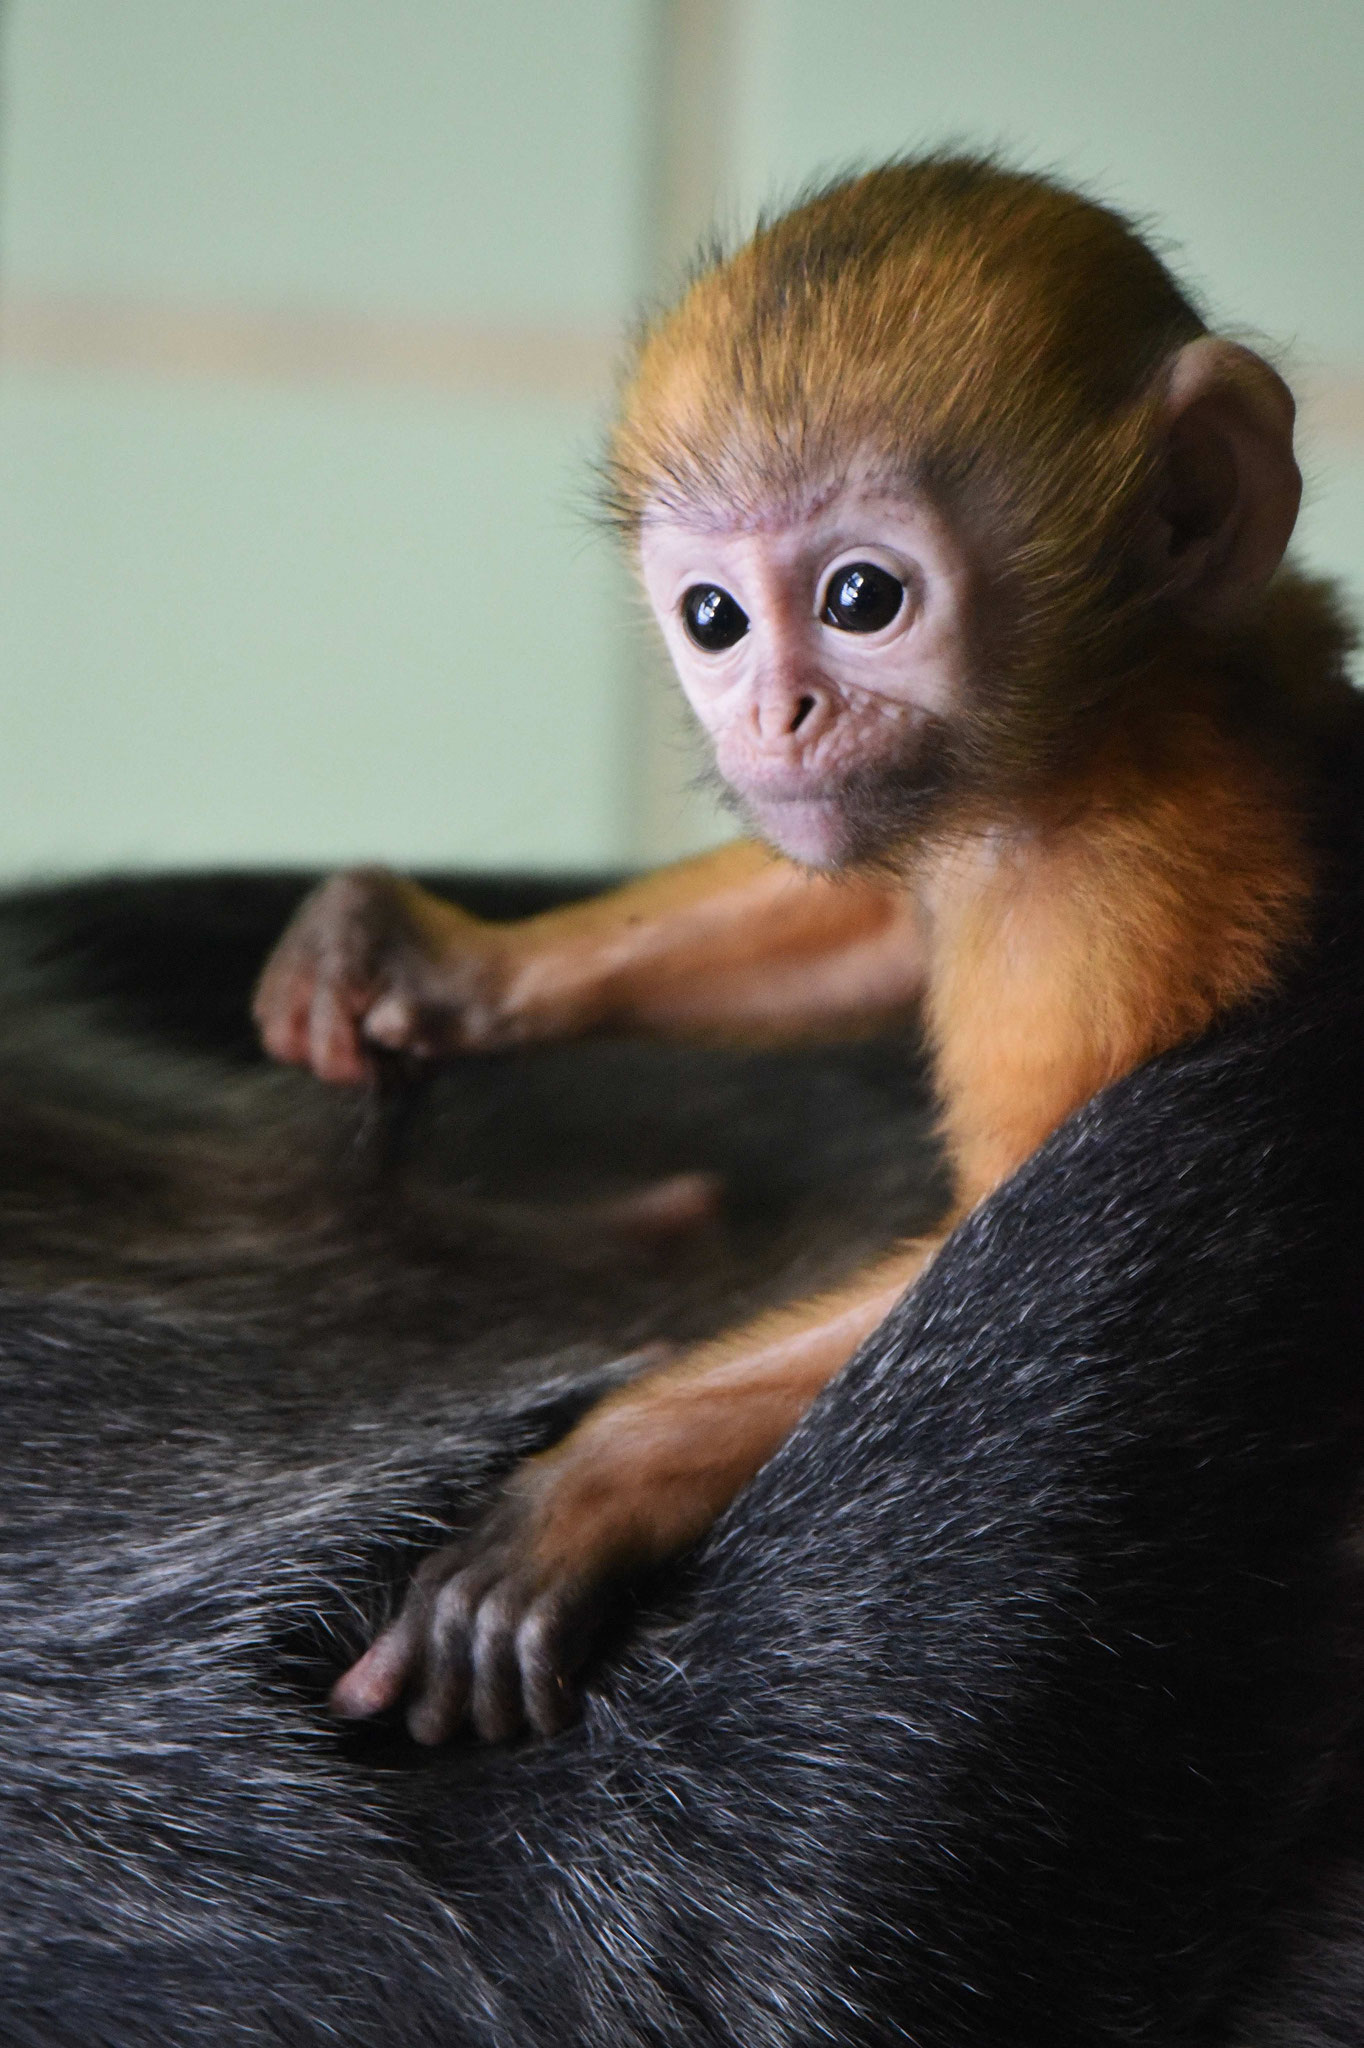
(429,1030)
(495,1703)
(391,1022)
(553,1643)
(281,1009)
(378,1680)
(285,1039)
(334,1052)
(440,1705)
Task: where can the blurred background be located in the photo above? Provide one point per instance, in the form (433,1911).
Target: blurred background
(308,313)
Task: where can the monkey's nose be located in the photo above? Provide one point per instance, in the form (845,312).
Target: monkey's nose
(788,712)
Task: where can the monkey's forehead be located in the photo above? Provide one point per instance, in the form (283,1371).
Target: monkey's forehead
(777,503)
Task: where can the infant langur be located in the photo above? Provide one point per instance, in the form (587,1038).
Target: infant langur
(963,533)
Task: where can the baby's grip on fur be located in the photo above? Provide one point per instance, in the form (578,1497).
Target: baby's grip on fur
(973,1759)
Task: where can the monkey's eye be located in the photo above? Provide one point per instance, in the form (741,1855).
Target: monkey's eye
(712,618)
(862,598)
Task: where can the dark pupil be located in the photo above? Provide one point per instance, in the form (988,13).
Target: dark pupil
(712,617)
(863,598)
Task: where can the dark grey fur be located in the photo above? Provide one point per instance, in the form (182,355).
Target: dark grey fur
(1013,1704)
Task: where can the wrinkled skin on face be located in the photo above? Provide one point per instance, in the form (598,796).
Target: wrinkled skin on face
(825,656)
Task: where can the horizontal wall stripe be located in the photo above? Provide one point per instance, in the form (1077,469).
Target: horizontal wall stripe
(152,338)
(1332,406)
(149,338)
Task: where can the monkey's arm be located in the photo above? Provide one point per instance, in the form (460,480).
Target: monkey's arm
(736,944)
(498,1627)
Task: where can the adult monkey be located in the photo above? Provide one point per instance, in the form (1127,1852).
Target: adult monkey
(962,532)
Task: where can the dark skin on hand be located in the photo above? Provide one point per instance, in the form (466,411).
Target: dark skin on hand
(999,668)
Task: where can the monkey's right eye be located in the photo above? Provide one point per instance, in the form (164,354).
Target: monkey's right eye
(712,618)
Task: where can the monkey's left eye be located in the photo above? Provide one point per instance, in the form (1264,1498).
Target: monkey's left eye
(712,618)
(862,598)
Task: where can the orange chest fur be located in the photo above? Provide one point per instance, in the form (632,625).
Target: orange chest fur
(1060,961)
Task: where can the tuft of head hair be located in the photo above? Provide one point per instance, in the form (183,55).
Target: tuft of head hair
(938,316)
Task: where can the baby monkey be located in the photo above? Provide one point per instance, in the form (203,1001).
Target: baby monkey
(962,532)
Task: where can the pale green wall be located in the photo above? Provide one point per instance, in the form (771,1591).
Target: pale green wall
(256,618)
(1232,125)
(252,624)
(417,154)
(260,607)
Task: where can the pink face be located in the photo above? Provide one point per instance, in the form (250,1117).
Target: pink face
(821,655)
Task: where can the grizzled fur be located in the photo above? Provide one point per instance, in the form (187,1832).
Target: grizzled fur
(1012,1703)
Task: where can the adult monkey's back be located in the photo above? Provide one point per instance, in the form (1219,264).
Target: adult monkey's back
(1009,1704)
(963,532)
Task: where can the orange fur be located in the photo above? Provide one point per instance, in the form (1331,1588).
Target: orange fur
(1067,949)
(642,1477)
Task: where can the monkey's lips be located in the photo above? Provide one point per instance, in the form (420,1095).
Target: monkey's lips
(868,817)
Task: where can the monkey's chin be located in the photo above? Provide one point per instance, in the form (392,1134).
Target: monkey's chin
(810,830)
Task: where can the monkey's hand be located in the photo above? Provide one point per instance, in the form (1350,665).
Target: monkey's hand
(498,1629)
(735,944)
(370,959)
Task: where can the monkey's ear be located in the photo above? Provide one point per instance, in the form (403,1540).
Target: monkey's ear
(1231,488)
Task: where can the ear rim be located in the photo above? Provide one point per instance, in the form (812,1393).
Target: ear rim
(1244,398)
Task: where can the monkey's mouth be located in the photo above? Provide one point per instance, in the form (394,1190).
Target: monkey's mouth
(798,813)
(865,817)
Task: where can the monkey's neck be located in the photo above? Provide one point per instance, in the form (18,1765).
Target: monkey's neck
(1128,911)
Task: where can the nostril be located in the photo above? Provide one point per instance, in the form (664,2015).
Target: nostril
(803,710)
